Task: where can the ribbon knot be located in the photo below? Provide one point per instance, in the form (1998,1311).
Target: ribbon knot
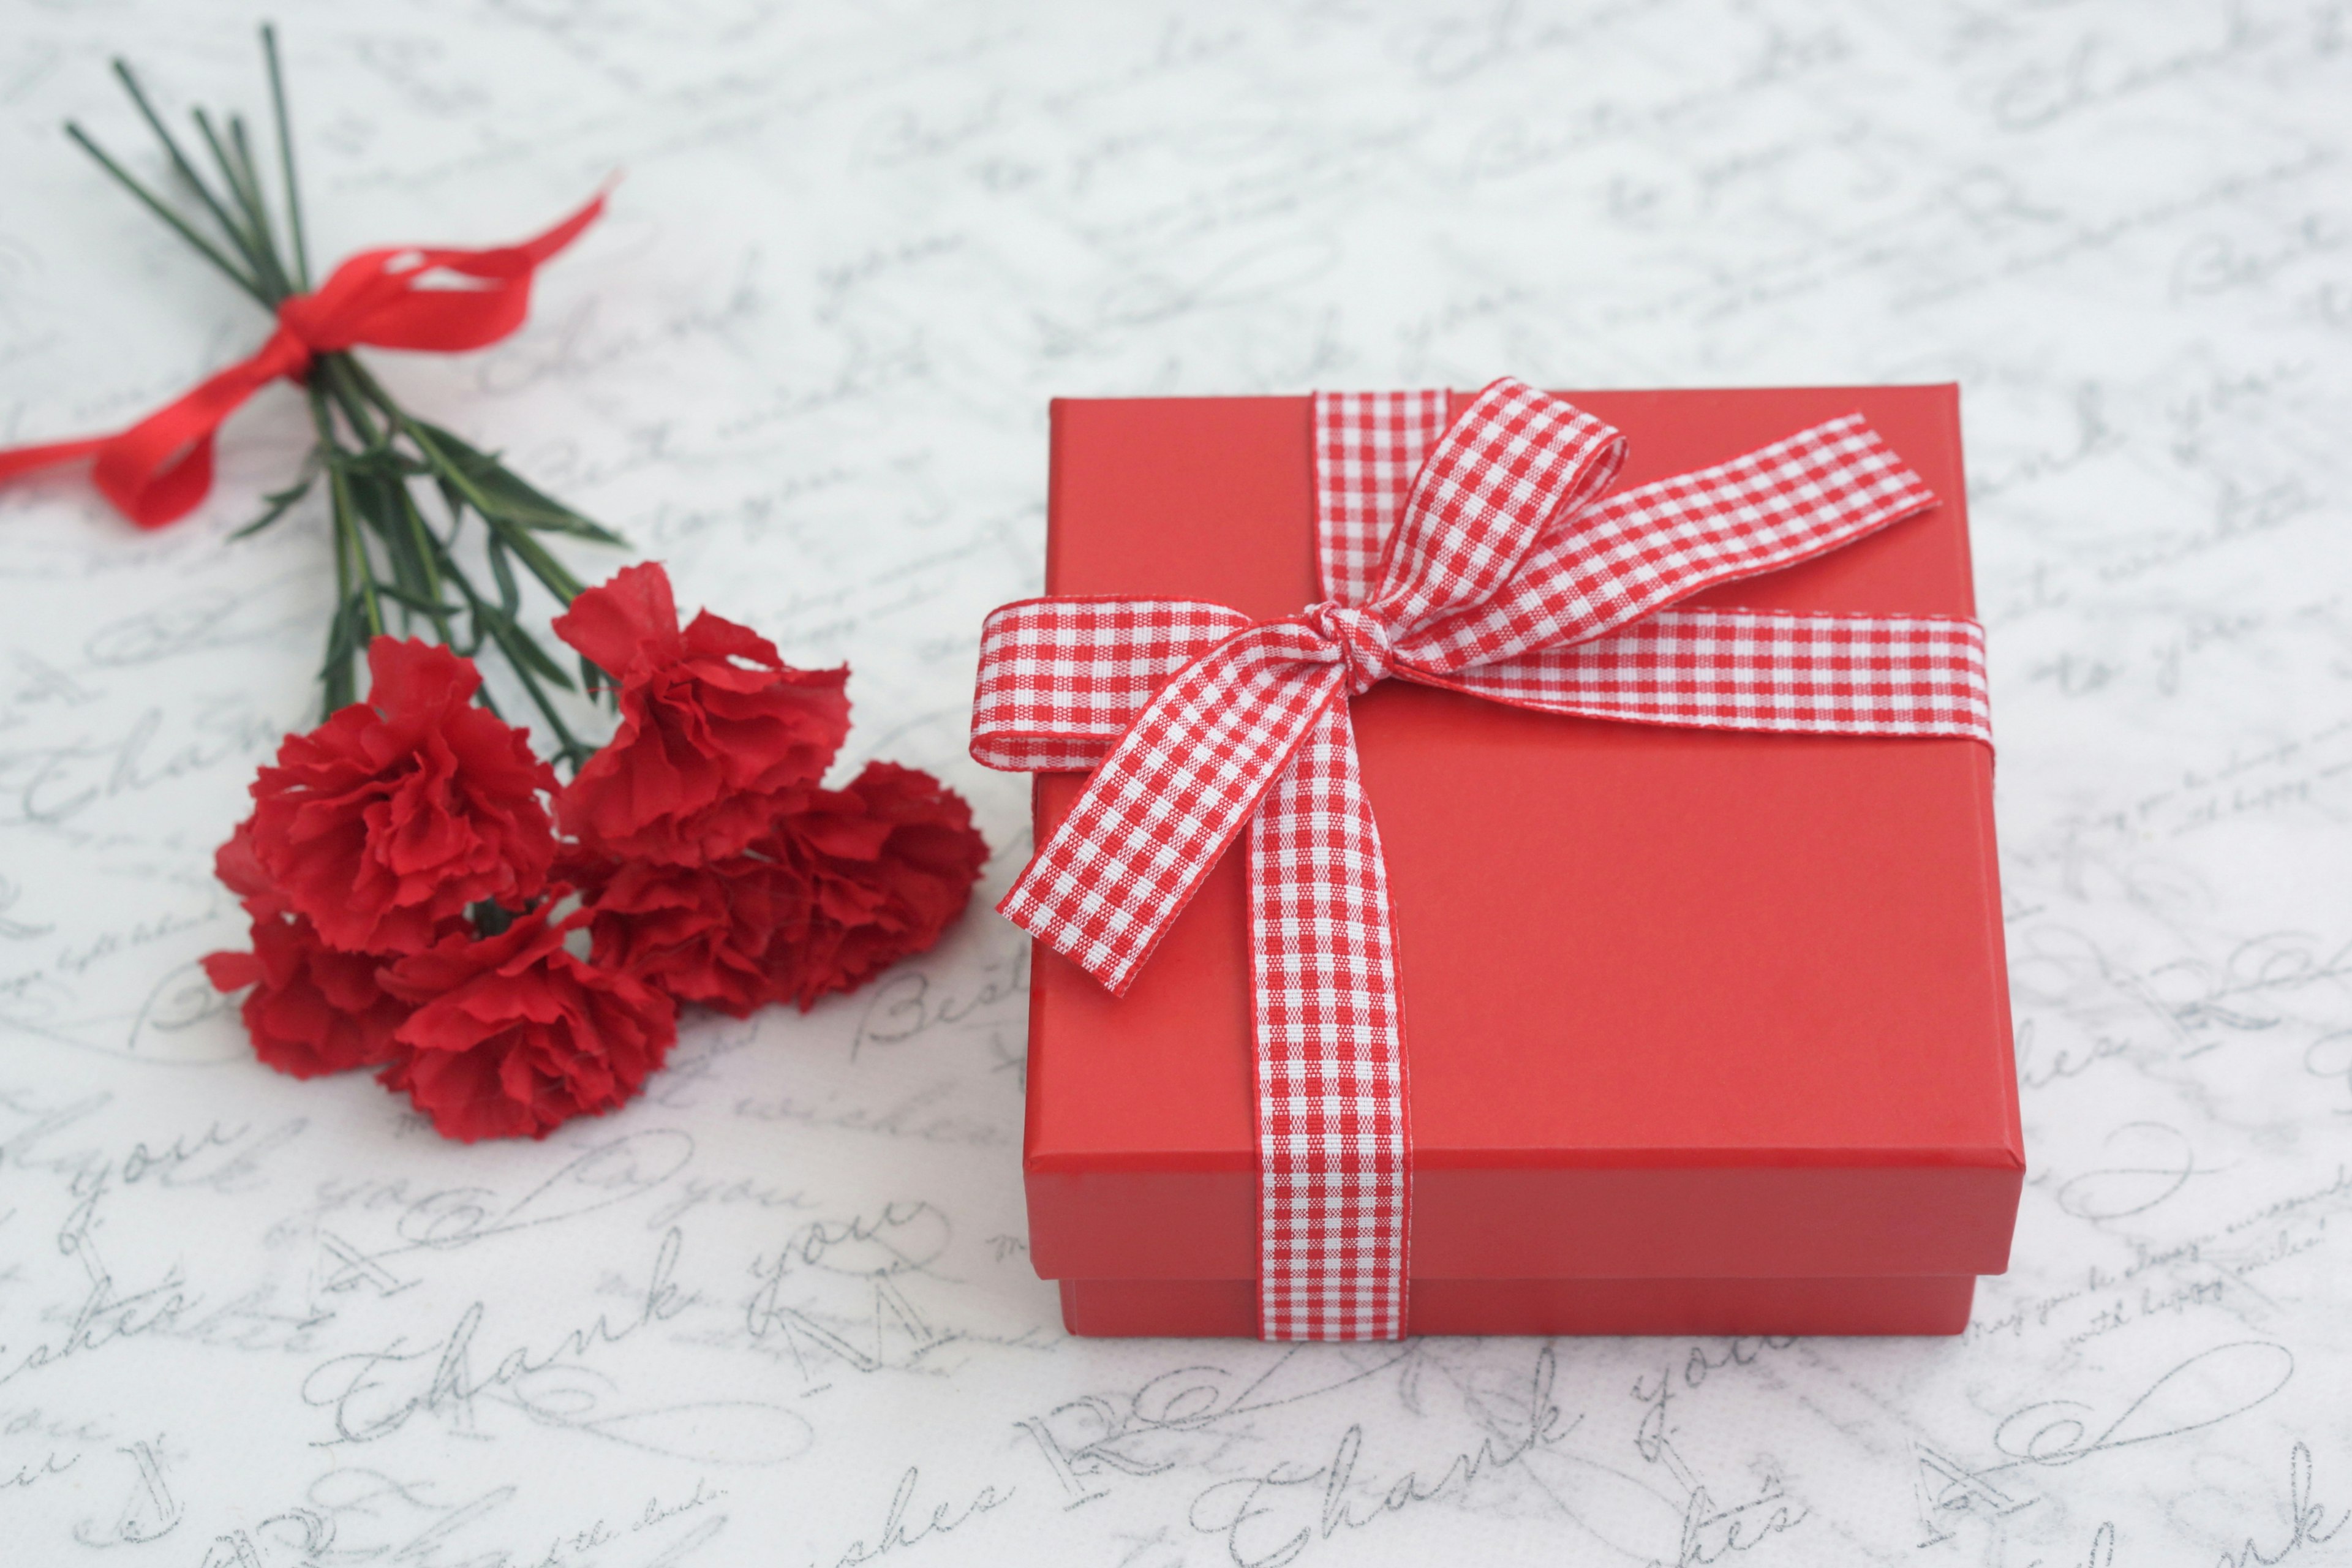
(1482,557)
(288,351)
(1358,637)
(311,324)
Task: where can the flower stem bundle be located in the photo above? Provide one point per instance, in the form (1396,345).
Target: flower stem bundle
(400,490)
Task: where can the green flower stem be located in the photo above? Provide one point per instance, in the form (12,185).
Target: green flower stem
(352,389)
(336,370)
(187,170)
(347,530)
(432,555)
(286,158)
(342,373)
(154,205)
(256,204)
(336,673)
(252,219)
(351,543)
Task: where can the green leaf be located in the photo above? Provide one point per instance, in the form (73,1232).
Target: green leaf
(416,602)
(497,490)
(553,574)
(502,568)
(280,502)
(453,499)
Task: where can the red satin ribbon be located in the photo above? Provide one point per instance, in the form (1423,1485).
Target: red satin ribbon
(161,467)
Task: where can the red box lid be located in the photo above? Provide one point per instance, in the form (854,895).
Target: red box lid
(1677,1002)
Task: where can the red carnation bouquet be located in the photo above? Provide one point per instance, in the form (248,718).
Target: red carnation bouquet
(511,953)
(428,898)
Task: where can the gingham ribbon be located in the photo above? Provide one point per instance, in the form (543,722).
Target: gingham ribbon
(1483,557)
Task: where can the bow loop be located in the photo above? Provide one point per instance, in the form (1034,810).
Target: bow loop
(1062,680)
(431,298)
(1516,465)
(1640,549)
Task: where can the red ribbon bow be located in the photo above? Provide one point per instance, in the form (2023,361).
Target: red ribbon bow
(1485,560)
(160,468)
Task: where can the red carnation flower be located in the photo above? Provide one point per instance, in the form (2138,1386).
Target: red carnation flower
(399,812)
(715,727)
(313,1010)
(846,883)
(702,934)
(889,861)
(513,1035)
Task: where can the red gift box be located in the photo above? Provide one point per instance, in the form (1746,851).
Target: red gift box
(1707,1032)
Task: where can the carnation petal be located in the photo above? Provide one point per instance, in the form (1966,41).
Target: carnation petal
(630,620)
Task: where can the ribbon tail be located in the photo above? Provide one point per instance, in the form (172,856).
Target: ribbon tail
(1334,1163)
(1912,676)
(1158,814)
(19,460)
(540,247)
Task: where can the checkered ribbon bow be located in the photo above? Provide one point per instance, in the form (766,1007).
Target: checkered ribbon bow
(1481,557)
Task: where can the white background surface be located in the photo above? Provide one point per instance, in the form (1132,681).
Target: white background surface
(246,1321)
